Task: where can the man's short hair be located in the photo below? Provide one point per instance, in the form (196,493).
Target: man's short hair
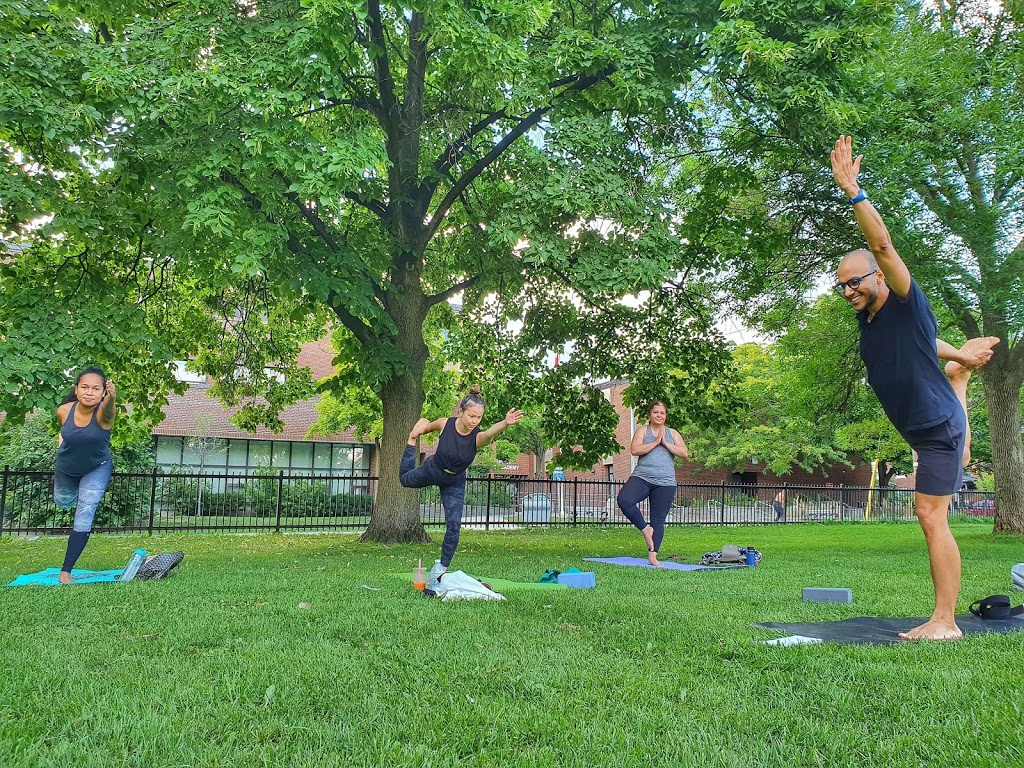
(868,256)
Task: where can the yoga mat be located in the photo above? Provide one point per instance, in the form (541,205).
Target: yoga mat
(667,565)
(49,577)
(499,585)
(870,630)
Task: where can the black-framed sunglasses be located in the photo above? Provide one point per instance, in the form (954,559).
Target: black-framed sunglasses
(853,282)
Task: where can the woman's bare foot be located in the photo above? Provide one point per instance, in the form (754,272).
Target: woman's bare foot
(648,533)
(65,578)
(652,558)
(417,430)
(934,630)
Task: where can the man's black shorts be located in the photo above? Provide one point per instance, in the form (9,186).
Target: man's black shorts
(940,455)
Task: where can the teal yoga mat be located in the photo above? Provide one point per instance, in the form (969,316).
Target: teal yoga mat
(49,577)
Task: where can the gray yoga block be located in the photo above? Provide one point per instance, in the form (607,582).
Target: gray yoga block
(828,595)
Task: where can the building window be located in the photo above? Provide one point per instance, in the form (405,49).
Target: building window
(243,456)
(181,373)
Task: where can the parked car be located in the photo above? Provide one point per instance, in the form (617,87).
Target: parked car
(983,508)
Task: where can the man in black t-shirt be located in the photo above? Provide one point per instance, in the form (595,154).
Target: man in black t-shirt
(928,405)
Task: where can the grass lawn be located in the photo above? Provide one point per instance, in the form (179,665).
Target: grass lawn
(220,666)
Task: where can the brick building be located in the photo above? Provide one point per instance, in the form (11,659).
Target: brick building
(197,432)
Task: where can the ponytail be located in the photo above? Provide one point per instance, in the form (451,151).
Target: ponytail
(472,397)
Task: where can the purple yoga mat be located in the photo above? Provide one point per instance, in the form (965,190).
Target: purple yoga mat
(666,564)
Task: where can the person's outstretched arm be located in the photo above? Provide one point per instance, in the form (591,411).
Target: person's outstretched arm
(845,169)
(485,438)
(108,408)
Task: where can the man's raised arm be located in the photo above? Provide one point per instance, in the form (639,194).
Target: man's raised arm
(845,169)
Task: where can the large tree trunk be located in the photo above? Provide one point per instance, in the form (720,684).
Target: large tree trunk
(396,511)
(1002,395)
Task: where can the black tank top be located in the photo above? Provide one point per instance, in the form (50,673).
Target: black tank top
(84,448)
(455,452)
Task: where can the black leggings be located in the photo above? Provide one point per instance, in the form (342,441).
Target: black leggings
(636,490)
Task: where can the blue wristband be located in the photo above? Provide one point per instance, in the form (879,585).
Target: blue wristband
(861,197)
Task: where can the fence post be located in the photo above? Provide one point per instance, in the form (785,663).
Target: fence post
(280,493)
(575,500)
(152,500)
(3,494)
(487,517)
(721,507)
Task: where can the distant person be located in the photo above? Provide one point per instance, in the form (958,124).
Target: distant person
(84,465)
(779,505)
(653,478)
(446,468)
(900,348)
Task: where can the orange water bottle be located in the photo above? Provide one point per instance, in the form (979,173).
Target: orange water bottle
(418,580)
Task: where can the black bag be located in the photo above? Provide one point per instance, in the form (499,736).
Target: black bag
(158,566)
(995,607)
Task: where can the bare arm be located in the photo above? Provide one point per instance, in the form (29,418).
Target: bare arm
(485,438)
(638,447)
(434,426)
(108,408)
(677,447)
(845,169)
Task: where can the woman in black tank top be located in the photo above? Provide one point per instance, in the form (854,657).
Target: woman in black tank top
(83,467)
(446,468)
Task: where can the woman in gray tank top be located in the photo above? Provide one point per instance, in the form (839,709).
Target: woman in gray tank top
(654,477)
(83,467)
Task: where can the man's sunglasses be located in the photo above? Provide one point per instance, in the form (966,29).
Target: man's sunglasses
(853,282)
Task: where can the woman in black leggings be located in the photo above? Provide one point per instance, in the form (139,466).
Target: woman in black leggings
(654,477)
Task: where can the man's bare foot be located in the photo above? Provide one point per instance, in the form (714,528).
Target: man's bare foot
(417,430)
(65,578)
(979,351)
(934,630)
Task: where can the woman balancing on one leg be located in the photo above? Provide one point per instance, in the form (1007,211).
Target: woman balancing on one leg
(83,465)
(654,477)
(456,449)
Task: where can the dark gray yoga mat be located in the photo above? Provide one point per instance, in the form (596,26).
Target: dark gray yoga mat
(870,630)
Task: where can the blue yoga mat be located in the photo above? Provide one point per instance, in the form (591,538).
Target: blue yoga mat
(49,577)
(667,565)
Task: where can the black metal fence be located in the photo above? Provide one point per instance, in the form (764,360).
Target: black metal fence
(158,501)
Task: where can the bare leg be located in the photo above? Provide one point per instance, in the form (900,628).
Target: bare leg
(944,558)
(652,553)
(960,377)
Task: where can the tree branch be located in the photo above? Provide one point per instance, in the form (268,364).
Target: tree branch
(381,65)
(576,84)
(357,326)
(437,298)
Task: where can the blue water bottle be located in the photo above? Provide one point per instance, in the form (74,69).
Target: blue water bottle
(133,565)
(751,556)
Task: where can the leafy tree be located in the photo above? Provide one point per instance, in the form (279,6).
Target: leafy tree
(933,98)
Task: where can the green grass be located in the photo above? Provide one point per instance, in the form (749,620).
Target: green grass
(219,665)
